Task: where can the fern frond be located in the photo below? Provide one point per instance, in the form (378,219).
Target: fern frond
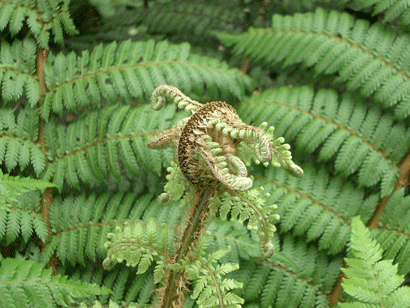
(26,284)
(111,141)
(364,140)
(317,205)
(134,69)
(371,280)
(227,233)
(13,186)
(121,280)
(80,226)
(390,10)
(17,71)
(393,231)
(42,20)
(18,145)
(19,209)
(269,283)
(137,246)
(197,20)
(210,289)
(365,57)
(248,206)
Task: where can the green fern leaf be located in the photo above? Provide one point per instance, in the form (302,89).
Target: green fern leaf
(321,211)
(358,52)
(108,73)
(390,237)
(363,140)
(30,285)
(371,280)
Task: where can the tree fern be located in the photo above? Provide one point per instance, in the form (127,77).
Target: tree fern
(362,139)
(26,284)
(369,58)
(75,127)
(370,280)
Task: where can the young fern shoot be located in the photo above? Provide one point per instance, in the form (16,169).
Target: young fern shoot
(214,146)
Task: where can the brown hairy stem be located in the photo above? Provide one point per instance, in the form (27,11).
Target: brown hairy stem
(172,293)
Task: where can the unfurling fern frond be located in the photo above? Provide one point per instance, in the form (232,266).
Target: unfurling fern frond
(369,58)
(26,284)
(134,69)
(317,205)
(371,280)
(42,19)
(363,140)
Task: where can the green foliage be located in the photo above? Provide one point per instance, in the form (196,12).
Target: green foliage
(362,140)
(370,280)
(26,284)
(332,79)
(390,10)
(366,57)
(43,18)
(13,186)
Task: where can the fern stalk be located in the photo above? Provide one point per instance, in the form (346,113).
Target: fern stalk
(47,196)
(402,181)
(171,294)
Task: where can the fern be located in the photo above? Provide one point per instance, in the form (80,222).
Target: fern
(112,142)
(11,187)
(26,284)
(369,58)
(319,207)
(390,10)
(281,282)
(199,19)
(370,280)
(365,141)
(393,234)
(133,70)
(77,238)
(76,128)
(49,15)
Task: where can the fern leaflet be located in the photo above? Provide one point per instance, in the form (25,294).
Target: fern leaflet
(371,280)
